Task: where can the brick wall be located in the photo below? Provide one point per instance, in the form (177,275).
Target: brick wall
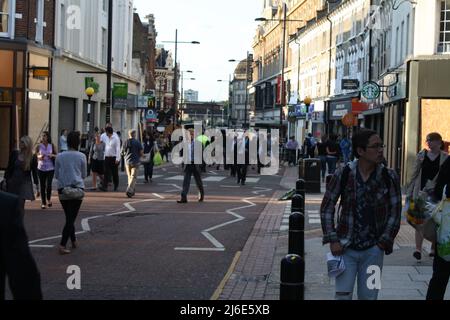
(26,27)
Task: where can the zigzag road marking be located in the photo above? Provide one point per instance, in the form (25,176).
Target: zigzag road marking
(85,222)
(206,233)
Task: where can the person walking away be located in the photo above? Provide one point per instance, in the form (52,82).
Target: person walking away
(46,155)
(332,149)
(423,179)
(16,261)
(70,171)
(370,216)
(322,151)
(346,148)
(132,152)
(292,147)
(22,172)
(112,159)
(97,160)
(441,267)
(191,169)
(151,148)
(310,146)
(242,149)
(63,141)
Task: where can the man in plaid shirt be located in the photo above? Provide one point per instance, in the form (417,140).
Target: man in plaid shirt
(370,217)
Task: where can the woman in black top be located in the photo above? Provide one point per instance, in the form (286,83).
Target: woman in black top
(441,267)
(149,145)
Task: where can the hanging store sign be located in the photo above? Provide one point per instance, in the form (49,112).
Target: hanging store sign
(120,95)
(371,90)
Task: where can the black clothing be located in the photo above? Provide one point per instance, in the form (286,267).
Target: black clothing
(71,209)
(443,180)
(111,169)
(439,281)
(16,260)
(429,170)
(333,147)
(45,180)
(191,169)
(322,149)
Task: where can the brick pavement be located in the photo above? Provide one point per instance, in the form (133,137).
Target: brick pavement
(257,273)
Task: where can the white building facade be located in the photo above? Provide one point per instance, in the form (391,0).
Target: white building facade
(82,47)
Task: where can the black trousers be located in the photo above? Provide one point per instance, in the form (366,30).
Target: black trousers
(148,170)
(189,171)
(439,281)
(45,180)
(111,169)
(71,209)
(242,172)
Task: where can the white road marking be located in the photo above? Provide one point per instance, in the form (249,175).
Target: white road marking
(252,180)
(223,186)
(206,233)
(314,216)
(284,228)
(314,221)
(214,179)
(85,222)
(213,172)
(176,178)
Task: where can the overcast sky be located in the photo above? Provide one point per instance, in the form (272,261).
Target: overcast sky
(225,29)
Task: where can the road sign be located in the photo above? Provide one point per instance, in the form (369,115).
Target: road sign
(371,90)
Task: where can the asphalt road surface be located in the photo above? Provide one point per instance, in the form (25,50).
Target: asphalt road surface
(150,247)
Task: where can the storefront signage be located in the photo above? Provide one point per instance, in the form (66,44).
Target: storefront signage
(371,90)
(350,84)
(120,95)
(151,116)
(318,117)
(339,109)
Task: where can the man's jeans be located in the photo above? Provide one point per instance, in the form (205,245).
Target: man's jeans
(357,265)
(132,173)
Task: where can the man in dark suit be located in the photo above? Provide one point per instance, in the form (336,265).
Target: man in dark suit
(191,169)
(16,261)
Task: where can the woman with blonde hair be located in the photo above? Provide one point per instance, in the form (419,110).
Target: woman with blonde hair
(21,172)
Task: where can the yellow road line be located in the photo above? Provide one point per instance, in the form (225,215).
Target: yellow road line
(222,284)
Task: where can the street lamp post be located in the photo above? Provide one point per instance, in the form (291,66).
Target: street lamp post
(283,60)
(89,92)
(182,93)
(175,85)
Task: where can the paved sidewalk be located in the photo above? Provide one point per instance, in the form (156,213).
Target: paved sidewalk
(256,275)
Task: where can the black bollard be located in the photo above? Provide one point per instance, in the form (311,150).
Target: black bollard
(300,188)
(292,286)
(297,234)
(297,203)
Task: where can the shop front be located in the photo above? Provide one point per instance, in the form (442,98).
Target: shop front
(25,93)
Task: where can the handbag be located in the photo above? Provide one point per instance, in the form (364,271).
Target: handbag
(146,158)
(71,193)
(441,215)
(157,159)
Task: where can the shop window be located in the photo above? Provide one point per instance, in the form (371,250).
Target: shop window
(6,96)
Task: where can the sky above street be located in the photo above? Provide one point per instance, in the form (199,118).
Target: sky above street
(224,28)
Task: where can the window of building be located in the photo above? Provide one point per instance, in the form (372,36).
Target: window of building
(40,22)
(7,10)
(444,33)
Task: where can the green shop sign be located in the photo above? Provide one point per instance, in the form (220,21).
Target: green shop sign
(120,95)
(89,82)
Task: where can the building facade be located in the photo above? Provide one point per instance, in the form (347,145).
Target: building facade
(240,102)
(26,58)
(190,95)
(81,42)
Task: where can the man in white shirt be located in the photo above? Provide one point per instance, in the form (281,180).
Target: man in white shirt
(112,158)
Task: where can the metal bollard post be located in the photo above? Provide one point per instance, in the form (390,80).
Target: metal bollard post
(297,234)
(297,203)
(301,187)
(292,286)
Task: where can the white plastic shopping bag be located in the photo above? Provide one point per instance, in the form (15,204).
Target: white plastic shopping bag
(335,265)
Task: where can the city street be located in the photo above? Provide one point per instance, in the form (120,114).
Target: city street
(150,247)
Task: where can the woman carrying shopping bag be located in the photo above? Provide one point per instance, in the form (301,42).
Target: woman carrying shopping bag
(423,180)
(70,171)
(441,263)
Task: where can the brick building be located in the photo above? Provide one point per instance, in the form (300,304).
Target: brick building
(27,29)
